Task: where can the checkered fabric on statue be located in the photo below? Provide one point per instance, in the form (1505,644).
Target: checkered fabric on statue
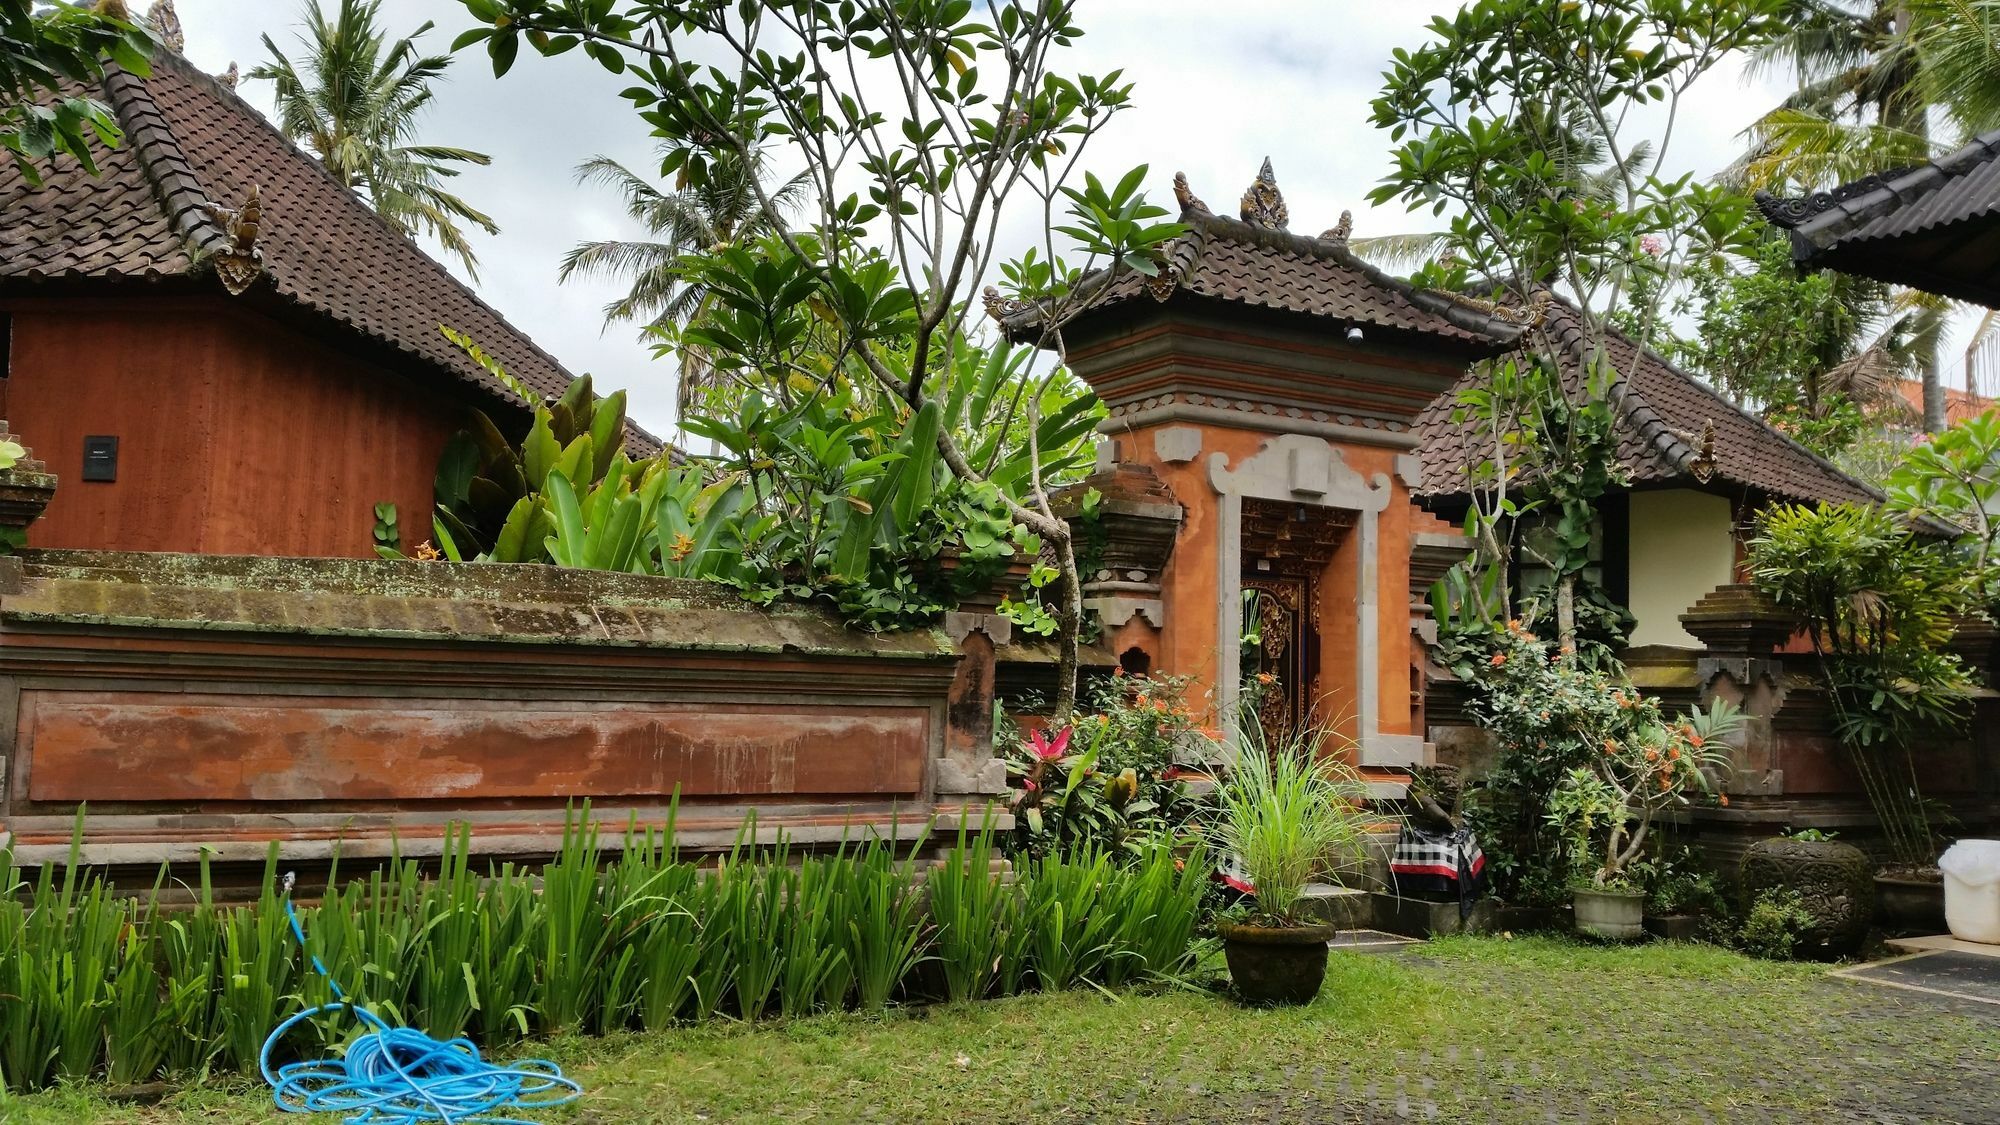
(1444,865)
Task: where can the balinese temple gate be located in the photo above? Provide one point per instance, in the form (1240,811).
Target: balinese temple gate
(1256,471)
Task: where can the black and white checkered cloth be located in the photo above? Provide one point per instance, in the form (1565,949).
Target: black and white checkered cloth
(1448,855)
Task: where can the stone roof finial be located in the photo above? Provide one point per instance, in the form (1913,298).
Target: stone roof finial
(239,265)
(1185,196)
(1262,206)
(229,77)
(165,24)
(1702,468)
(1341,231)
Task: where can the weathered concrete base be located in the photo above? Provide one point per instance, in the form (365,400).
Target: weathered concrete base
(1414,917)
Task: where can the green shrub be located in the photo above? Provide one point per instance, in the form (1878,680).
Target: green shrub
(1773,925)
(92,983)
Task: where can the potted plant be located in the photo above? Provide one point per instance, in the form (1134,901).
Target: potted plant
(1651,766)
(1287,814)
(1833,883)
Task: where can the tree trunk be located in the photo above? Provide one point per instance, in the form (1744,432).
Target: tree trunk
(1933,393)
(1069,631)
(1566,612)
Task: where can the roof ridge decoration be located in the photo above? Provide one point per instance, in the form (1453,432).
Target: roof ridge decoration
(239,265)
(1263,206)
(165,24)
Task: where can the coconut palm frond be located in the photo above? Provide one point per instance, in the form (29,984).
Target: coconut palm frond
(1797,150)
(1401,253)
(1958,42)
(354,100)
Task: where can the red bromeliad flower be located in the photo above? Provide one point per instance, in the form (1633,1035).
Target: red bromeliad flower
(1048,749)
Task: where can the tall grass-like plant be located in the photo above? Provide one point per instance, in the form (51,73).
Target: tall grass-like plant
(190,944)
(1155,905)
(970,906)
(137,1027)
(1070,932)
(754,913)
(503,956)
(887,932)
(576,927)
(815,961)
(1288,814)
(259,966)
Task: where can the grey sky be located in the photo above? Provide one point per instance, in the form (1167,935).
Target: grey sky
(1219,87)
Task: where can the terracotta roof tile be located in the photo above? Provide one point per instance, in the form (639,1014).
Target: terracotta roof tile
(192,142)
(1662,415)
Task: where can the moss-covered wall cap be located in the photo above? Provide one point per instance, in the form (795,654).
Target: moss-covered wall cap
(391,599)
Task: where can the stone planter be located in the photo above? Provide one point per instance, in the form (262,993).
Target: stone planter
(1276,964)
(1611,915)
(1674,927)
(1834,881)
(1909,906)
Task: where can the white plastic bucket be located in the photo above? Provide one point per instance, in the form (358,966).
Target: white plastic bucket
(1972,890)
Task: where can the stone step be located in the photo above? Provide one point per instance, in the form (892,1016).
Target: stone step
(1413,917)
(1345,907)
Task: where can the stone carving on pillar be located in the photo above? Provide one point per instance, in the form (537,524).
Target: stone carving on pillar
(1741,631)
(1300,469)
(1138,520)
(1431,555)
(25,490)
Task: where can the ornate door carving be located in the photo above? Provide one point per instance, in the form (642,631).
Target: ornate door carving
(1286,549)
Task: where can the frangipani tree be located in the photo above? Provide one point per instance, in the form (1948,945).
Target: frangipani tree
(919,124)
(1543,131)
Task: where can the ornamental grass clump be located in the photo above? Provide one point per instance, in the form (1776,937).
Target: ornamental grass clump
(1289,814)
(601,939)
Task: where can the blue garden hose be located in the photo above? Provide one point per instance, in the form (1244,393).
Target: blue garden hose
(397,1076)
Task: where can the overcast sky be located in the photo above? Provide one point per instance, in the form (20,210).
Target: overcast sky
(1219,86)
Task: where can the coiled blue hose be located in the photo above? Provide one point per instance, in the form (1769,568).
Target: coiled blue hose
(397,1076)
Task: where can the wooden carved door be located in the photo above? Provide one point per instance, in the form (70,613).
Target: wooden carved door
(1286,549)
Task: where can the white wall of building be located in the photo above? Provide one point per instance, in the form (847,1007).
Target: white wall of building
(1680,548)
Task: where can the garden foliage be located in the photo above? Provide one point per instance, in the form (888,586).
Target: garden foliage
(606,938)
(1879,603)
(1586,764)
(1113,780)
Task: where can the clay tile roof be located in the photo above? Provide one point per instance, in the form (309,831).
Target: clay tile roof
(1934,227)
(190,143)
(1663,416)
(1255,261)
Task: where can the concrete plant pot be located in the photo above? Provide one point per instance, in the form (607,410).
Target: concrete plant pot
(1611,915)
(1272,965)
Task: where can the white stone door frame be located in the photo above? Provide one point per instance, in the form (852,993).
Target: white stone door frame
(1307,470)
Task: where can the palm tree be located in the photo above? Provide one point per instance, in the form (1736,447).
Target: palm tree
(719,212)
(1870,74)
(355,105)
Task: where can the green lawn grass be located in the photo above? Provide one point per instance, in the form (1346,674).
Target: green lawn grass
(1463,1029)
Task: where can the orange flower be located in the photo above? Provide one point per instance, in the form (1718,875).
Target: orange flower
(1499,658)
(1694,740)
(1652,755)
(1665,783)
(1673,753)
(1723,798)
(1610,746)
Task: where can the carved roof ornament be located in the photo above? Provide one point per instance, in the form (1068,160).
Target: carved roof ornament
(1702,468)
(165,24)
(1000,308)
(239,264)
(1341,231)
(1262,206)
(1185,196)
(229,76)
(1790,212)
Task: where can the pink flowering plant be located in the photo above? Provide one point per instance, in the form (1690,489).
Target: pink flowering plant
(1114,778)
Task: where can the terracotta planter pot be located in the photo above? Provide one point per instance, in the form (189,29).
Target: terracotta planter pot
(1611,915)
(1835,882)
(1276,964)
